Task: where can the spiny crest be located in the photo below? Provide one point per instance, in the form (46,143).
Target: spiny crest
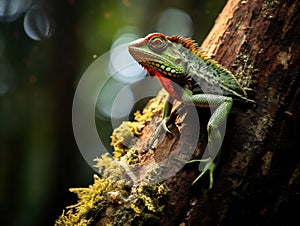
(193,46)
(190,44)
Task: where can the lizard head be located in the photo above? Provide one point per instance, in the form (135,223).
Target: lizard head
(159,55)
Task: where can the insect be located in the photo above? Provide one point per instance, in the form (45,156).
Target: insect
(180,61)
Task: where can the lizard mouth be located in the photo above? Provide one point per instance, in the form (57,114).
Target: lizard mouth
(167,71)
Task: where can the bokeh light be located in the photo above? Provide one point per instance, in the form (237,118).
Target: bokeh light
(37,24)
(126,68)
(123,70)
(175,21)
(107,96)
(10,10)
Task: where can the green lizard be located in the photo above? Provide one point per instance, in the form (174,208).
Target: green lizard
(180,61)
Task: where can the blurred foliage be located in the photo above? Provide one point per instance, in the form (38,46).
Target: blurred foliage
(38,153)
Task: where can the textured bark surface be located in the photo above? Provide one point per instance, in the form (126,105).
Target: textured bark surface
(257,179)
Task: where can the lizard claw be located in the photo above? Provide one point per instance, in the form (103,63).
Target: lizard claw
(162,126)
(210,166)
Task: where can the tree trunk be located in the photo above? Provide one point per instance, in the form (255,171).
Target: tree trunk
(257,179)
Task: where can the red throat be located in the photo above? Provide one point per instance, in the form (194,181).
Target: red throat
(167,84)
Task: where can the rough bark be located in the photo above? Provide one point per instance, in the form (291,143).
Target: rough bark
(257,179)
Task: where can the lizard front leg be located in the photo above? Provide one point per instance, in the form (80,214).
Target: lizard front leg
(163,123)
(223,105)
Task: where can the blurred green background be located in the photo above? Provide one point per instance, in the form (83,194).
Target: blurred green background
(45,47)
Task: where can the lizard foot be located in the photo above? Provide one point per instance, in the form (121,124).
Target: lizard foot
(161,127)
(209,166)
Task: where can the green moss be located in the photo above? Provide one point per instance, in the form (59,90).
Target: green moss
(113,204)
(145,206)
(148,199)
(92,202)
(112,200)
(154,106)
(112,170)
(126,135)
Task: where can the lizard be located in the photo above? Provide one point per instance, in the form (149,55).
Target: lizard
(189,75)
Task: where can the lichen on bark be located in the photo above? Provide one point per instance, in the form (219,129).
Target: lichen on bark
(114,198)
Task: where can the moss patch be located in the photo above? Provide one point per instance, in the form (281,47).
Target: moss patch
(113,199)
(125,136)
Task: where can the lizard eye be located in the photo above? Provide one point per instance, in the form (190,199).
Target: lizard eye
(157,44)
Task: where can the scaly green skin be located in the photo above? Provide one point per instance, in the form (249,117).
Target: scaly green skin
(189,75)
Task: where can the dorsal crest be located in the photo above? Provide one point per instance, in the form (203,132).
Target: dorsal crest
(190,44)
(193,46)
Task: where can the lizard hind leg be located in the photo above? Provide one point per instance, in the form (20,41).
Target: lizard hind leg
(223,105)
(214,129)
